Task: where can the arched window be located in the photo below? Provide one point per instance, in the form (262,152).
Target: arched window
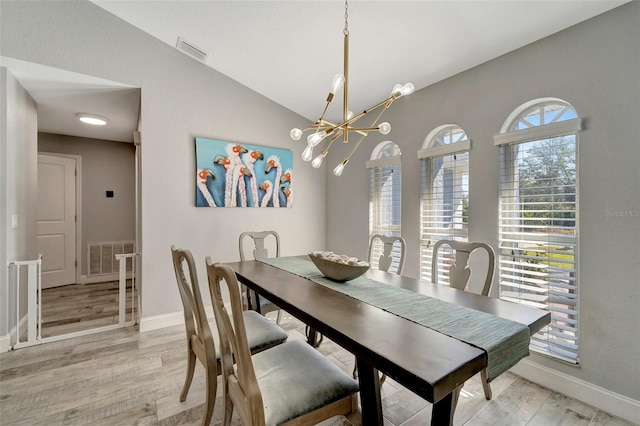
(538,216)
(385,198)
(444,191)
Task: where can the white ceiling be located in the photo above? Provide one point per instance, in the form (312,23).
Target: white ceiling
(289,50)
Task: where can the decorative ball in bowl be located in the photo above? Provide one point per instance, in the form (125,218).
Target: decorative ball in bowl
(338,267)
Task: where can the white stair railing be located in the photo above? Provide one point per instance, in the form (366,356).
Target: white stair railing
(34,299)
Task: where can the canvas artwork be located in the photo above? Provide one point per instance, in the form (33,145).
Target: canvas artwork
(231,174)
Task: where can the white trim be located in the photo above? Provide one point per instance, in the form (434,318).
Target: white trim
(381,162)
(168,320)
(552,130)
(438,151)
(5,343)
(603,399)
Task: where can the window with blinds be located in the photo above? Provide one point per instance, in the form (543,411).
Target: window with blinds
(538,213)
(444,196)
(385,191)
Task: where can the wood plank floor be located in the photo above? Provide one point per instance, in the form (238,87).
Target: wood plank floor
(124,377)
(72,308)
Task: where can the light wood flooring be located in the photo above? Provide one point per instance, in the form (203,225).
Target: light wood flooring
(72,308)
(124,377)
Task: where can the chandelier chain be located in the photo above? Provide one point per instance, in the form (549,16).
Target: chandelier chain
(346,18)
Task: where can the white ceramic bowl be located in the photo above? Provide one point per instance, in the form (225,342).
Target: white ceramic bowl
(338,271)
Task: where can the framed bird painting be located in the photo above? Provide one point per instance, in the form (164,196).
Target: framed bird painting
(232,174)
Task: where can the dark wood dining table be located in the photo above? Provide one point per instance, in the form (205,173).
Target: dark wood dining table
(430,364)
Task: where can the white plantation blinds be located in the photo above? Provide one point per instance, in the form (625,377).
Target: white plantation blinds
(444,197)
(385,187)
(538,216)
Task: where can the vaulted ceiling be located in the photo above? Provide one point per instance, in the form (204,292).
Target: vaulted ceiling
(289,50)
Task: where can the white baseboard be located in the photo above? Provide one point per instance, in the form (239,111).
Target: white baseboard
(167,320)
(603,399)
(84,279)
(5,343)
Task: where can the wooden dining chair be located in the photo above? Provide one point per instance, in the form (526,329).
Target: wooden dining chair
(202,339)
(459,271)
(393,252)
(254,300)
(290,384)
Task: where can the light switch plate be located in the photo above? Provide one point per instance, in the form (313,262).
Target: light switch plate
(14,221)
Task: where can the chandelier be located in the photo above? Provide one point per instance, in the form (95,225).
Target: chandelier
(323,129)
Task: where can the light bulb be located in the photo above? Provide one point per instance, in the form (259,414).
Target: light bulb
(307,154)
(295,134)
(407,89)
(349,115)
(384,128)
(397,89)
(317,162)
(340,167)
(315,138)
(338,81)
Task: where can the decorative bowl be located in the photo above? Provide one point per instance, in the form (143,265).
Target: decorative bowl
(338,267)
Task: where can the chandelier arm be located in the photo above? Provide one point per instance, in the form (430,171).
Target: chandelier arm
(326,107)
(365,135)
(386,102)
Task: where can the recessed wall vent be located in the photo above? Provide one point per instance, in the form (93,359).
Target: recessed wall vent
(101,256)
(191,49)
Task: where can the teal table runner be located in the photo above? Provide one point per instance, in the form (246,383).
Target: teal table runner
(506,342)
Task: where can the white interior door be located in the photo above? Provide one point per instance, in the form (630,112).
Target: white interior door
(57,219)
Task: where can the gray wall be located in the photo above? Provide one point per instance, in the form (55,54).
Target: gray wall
(106,166)
(594,66)
(19,148)
(181,99)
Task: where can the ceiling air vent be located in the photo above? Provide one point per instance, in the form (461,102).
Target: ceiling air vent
(191,50)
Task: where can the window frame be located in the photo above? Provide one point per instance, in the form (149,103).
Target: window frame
(386,156)
(555,344)
(425,156)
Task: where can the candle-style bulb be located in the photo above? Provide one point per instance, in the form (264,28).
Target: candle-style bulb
(307,154)
(317,162)
(407,89)
(295,134)
(384,128)
(340,167)
(338,81)
(315,138)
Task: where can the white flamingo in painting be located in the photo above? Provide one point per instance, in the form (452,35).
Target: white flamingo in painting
(274,162)
(287,194)
(228,167)
(249,160)
(233,153)
(203,176)
(268,189)
(287,176)
(242,186)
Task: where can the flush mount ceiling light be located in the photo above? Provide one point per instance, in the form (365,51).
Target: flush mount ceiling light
(96,120)
(323,128)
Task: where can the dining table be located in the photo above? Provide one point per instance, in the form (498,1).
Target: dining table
(431,363)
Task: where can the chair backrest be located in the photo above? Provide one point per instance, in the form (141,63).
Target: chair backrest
(241,382)
(259,237)
(195,319)
(389,254)
(459,270)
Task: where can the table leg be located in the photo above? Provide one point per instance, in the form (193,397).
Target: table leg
(313,337)
(370,400)
(442,411)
